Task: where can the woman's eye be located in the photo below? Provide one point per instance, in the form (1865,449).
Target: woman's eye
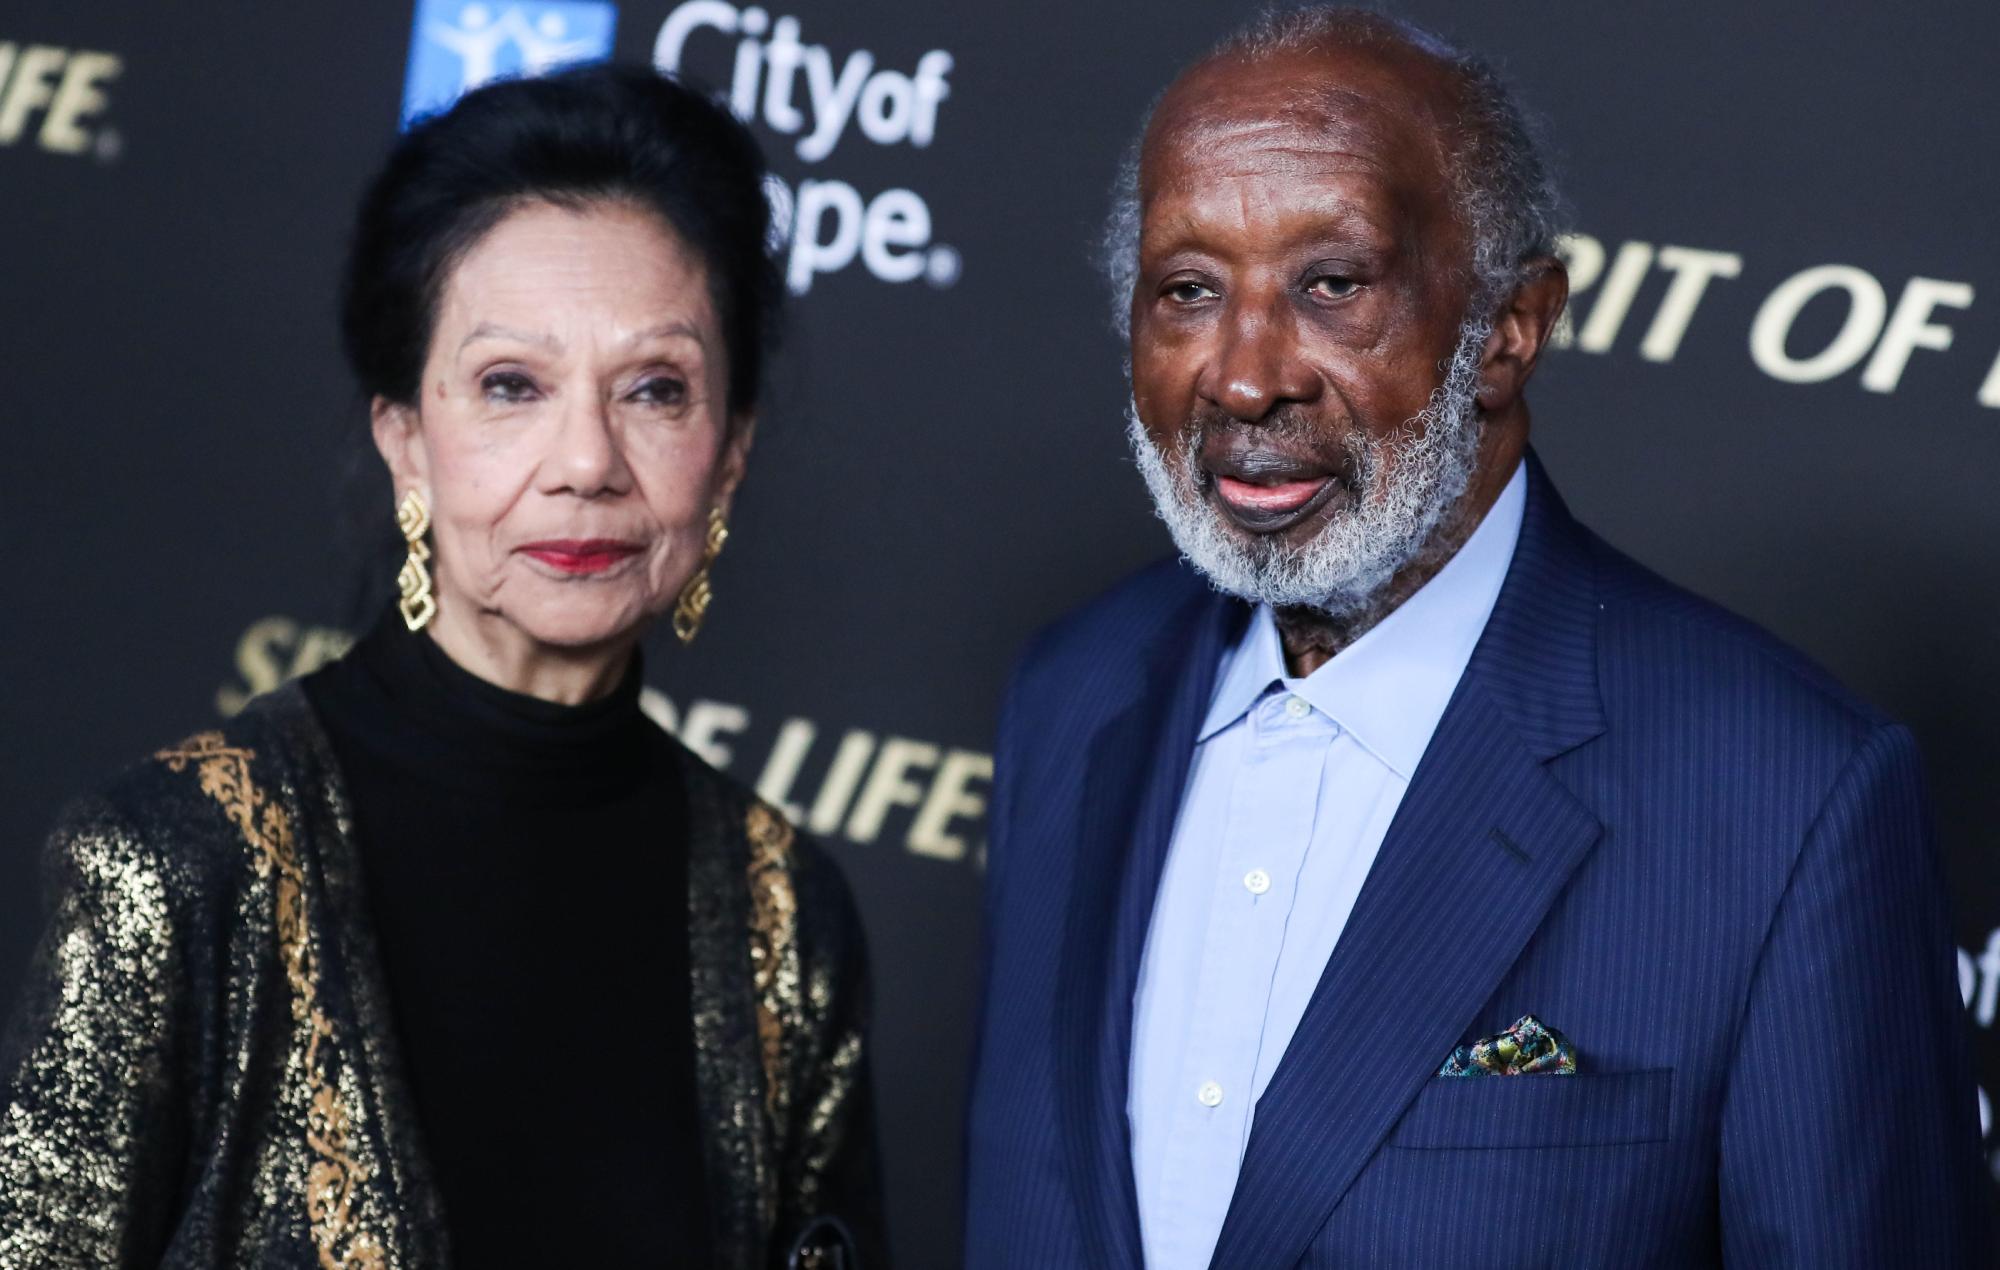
(661,392)
(1187,292)
(507,385)
(1334,287)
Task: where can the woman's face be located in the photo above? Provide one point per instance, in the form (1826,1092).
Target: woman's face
(572,431)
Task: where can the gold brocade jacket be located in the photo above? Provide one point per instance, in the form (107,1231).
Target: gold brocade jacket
(203,1072)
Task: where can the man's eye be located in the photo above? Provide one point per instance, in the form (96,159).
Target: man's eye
(1187,292)
(1334,287)
(507,385)
(661,392)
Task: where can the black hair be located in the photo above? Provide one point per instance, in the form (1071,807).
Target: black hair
(581,136)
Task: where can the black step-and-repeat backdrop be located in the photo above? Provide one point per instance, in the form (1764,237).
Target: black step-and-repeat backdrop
(1782,387)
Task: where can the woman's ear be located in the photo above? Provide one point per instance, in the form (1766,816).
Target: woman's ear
(400,442)
(735,459)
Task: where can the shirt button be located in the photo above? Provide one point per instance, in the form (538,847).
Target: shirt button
(1209,1095)
(1298,707)
(1256,881)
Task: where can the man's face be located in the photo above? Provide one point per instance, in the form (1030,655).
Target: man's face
(1301,295)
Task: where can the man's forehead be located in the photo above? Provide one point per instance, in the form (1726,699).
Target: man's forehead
(1304,119)
(1230,170)
(1305,144)
(1314,111)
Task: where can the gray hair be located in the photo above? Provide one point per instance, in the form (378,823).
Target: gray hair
(1507,197)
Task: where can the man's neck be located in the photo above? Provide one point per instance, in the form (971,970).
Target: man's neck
(1312,638)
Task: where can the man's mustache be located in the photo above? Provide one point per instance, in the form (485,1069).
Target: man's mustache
(1290,423)
(1289,443)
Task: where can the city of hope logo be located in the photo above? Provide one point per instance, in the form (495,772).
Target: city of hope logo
(821,96)
(457,45)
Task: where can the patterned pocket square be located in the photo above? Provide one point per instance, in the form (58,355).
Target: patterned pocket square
(1527,1048)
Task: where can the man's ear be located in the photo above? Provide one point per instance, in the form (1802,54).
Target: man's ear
(1520,332)
(735,458)
(400,442)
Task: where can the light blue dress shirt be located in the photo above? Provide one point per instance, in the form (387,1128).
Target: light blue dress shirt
(1291,790)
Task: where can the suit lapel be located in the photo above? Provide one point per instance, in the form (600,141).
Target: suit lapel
(1132,792)
(1484,841)
(730,1084)
(1482,845)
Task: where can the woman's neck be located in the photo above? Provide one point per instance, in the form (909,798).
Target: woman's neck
(507,657)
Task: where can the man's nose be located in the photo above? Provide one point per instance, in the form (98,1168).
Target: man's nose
(1258,366)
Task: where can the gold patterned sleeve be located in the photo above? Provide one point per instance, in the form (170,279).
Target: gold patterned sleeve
(89,1148)
(832,1166)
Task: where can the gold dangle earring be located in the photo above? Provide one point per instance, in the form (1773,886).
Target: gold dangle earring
(414,580)
(693,603)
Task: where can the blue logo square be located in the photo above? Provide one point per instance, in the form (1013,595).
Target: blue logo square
(457,45)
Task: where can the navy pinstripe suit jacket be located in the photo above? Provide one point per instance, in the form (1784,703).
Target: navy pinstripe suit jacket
(1641,820)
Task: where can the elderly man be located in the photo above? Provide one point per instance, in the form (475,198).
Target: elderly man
(1404,877)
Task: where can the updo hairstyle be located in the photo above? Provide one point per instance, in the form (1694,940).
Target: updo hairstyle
(576,138)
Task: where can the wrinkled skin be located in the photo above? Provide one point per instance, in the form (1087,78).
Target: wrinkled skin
(575,391)
(1303,274)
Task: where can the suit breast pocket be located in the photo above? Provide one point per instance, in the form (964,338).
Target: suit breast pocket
(1474,1113)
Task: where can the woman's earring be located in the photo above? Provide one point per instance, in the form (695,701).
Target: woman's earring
(414,580)
(693,603)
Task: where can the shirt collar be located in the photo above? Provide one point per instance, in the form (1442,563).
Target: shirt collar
(1390,687)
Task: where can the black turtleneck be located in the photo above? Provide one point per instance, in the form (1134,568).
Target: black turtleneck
(526,867)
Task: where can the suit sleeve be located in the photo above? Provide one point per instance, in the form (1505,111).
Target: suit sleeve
(999,826)
(1850,1135)
(983,1180)
(89,1128)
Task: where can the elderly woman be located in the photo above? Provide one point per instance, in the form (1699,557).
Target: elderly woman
(446,955)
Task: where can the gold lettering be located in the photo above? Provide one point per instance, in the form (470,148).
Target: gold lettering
(78,97)
(781,769)
(257,660)
(1989,392)
(32,87)
(319,645)
(946,789)
(660,709)
(889,785)
(850,761)
(275,650)
(949,799)
(707,721)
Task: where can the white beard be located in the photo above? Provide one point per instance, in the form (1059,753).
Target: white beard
(1408,480)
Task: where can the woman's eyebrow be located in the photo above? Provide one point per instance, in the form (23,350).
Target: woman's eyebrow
(493,330)
(665,329)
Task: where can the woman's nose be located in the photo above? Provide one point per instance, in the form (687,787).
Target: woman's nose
(588,459)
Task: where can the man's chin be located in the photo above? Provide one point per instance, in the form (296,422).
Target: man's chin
(1288,568)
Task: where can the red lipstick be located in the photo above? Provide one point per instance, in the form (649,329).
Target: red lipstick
(581,555)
